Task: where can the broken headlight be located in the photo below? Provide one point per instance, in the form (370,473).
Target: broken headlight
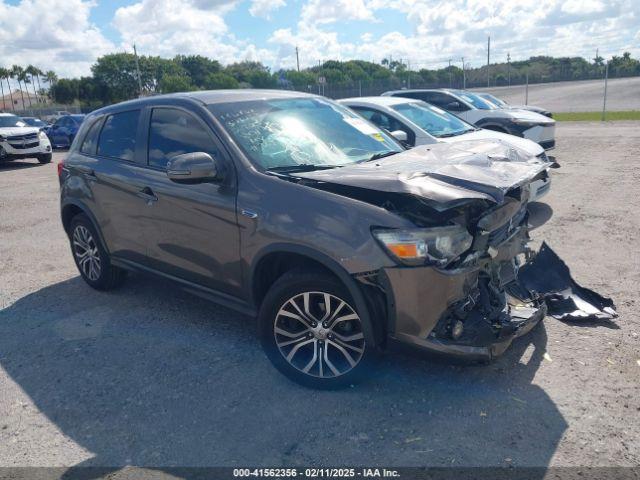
(435,246)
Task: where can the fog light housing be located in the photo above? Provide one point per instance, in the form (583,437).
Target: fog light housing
(457,329)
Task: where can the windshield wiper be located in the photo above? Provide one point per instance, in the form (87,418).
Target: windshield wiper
(301,167)
(379,155)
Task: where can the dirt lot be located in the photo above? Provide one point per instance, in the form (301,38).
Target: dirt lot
(582,96)
(150,375)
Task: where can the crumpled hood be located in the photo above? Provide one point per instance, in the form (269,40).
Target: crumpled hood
(530,147)
(443,172)
(12,131)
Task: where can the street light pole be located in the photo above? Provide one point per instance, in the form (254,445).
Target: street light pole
(135,54)
(488,57)
(464,76)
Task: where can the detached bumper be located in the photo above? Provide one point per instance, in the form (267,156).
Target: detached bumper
(463,313)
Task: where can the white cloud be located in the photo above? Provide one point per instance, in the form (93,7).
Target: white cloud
(51,34)
(322,11)
(171,27)
(264,8)
(447,29)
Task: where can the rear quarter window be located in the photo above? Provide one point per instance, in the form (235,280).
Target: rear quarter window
(90,141)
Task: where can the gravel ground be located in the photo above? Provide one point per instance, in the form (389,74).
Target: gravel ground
(150,375)
(583,96)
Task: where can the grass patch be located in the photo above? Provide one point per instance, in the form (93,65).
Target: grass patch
(596,116)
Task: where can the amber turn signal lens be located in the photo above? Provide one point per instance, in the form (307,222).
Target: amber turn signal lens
(403,250)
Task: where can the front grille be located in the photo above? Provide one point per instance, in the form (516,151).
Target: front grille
(24,146)
(22,142)
(26,136)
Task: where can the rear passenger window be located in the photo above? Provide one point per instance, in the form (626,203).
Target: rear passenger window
(118,137)
(174,132)
(90,141)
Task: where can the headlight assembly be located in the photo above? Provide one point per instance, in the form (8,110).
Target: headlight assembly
(433,246)
(42,135)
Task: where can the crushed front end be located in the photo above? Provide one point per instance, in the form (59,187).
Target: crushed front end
(468,308)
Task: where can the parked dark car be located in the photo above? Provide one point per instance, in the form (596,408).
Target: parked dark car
(64,130)
(293,208)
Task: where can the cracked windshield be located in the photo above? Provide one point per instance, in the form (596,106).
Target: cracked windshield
(297,133)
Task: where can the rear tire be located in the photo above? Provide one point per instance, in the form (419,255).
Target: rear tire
(91,258)
(312,333)
(46,158)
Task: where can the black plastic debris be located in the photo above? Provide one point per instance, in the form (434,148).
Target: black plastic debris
(548,276)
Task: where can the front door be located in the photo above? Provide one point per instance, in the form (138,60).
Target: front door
(192,231)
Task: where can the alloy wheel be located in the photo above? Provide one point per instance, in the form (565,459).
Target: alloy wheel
(319,334)
(86,251)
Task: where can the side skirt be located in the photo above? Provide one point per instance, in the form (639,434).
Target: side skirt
(215,296)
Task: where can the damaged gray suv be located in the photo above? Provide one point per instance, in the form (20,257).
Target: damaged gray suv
(294,209)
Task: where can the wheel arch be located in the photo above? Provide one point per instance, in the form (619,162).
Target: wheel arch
(304,257)
(70,209)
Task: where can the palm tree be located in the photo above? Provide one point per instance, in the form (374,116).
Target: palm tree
(24,76)
(38,73)
(17,72)
(51,77)
(5,73)
(32,71)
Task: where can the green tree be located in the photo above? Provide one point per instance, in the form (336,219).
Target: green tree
(198,67)
(65,90)
(176,83)
(220,80)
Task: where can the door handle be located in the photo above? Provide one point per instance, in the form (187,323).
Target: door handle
(147,195)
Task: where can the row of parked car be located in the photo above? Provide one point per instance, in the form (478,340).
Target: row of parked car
(423,117)
(343,227)
(31,137)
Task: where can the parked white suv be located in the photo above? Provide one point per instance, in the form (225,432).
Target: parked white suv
(484,114)
(17,140)
(415,123)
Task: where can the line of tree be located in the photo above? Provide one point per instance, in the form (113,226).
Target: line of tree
(114,77)
(25,76)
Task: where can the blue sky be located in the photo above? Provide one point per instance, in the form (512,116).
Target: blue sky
(68,35)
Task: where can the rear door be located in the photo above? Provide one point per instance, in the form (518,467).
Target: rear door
(193,230)
(112,169)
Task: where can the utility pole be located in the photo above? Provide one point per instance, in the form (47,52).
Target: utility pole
(135,54)
(604,102)
(464,76)
(509,67)
(488,57)
(297,58)
(449,73)
(408,73)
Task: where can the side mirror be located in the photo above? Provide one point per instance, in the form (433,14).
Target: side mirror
(400,135)
(196,167)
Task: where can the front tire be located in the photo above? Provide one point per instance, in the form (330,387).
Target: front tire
(312,333)
(91,258)
(46,158)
